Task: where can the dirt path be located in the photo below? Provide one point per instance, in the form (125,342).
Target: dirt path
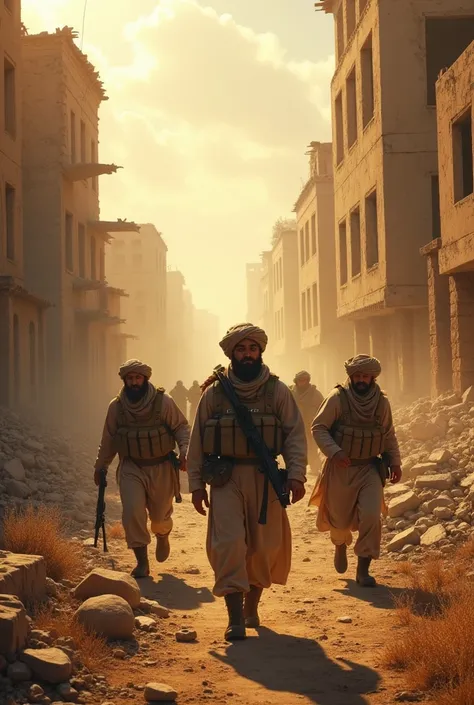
(301,655)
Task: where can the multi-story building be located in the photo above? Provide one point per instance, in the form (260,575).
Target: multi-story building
(451,257)
(284,349)
(137,264)
(207,353)
(389,55)
(325,340)
(21,313)
(179,327)
(254,272)
(64,236)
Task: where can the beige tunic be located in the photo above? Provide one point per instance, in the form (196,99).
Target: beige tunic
(241,551)
(309,402)
(149,489)
(350,499)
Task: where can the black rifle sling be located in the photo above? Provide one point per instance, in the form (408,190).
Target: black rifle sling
(256,442)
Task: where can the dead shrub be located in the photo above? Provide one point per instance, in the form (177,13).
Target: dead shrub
(41,532)
(93,649)
(116,531)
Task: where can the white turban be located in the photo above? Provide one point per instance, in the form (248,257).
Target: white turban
(240,332)
(137,366)
(363,364)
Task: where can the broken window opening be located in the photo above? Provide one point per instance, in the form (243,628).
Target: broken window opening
(446,39)
(462,157)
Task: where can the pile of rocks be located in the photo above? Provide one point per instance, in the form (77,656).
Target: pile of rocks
(433,509)
(38,466)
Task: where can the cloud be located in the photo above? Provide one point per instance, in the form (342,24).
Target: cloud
(210,120)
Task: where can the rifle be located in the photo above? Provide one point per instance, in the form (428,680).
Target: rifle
(100,514)
(270,468)
(176,466)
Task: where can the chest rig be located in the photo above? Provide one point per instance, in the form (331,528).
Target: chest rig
(145,438)
(359,440)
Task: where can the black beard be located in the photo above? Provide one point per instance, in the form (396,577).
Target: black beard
(136,394)
(247,370)
(361,388)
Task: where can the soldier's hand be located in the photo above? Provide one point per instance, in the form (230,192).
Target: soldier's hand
(297,490)
(395,474)
(341,460)
(97,474)
(182,462)
(200,500)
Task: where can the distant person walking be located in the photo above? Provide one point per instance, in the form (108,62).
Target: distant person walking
(179,394)
(142,427)
(194,395)
(354,430)
(309,399)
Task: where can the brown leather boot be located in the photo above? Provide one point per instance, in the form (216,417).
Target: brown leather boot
(235,608)
(251,602)
(340,558)
(142,569)
(363,578)
(162,548)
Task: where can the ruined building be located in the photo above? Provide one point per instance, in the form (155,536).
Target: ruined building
(21,313)
(64,236)
(325,340)
(137,263)
(389,55)
(450,257)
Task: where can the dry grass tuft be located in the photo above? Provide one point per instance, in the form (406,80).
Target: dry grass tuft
(115,531)
(93,649)
(436,645)
(41,532)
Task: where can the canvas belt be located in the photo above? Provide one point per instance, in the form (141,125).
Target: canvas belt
(144,463)
(362,461)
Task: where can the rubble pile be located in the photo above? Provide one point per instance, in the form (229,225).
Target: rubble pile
(432,509)
(39,466)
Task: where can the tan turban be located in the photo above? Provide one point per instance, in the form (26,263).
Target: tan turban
(240,332)
(363,364)
(301,374)
(140,368)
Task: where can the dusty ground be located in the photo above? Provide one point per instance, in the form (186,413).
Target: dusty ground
(302,654)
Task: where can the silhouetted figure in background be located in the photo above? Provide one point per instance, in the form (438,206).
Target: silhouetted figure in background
(179,394)
(194,395)
(309,399)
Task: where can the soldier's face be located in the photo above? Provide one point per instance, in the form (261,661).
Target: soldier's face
(134,381)
(362,382)
(247,352)
(303,382)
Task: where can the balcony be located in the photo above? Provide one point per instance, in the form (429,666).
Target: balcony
(83,284)
(92,304)
(88,170)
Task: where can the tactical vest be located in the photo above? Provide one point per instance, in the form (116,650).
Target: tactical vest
(359,440)
(145,438)
(223,435)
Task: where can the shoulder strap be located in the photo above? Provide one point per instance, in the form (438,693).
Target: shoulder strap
(121,420)
(158,404)
(379,409)
(218,398)
(346,411)
(270,393)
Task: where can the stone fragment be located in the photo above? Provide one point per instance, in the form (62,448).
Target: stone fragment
(396,490)
(443,513)
(434,535)
(23,576)
(35,693)
(145,624)
(345,620)
(422,468)
(468,396)
(186,635)
(34,445)
(421,431)
(404,503)
(440,502)
(13,625)
(154,607)
(409,536)
(108,615)
(18,672)
(443,481)
(67,693)
(109,582)
(440,456)
(159,692)
(15,469)
(17,489)
(51,665)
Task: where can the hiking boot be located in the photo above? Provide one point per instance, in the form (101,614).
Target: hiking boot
(142,569)
(235,609)
(363,578)
(340,558)
(252,599)
(162,548)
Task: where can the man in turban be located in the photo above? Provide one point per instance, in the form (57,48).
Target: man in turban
(246,556)
(309,399)
(354,430)
(143,426)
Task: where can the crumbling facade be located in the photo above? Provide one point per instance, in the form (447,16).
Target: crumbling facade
(137,263)
(386,171)
(64,236)
(324,338)
(450,258)
(21,313)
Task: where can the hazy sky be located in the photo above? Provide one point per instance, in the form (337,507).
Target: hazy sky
(211,106)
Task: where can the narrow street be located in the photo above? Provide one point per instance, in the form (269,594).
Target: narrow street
(302,654)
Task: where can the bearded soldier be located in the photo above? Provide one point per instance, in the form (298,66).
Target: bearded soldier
(309,399)
(143,425)
(246,554)
(354,430)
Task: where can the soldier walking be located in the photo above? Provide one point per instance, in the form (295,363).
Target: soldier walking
(309,399)
(143,426)
(246,556)
(354,430)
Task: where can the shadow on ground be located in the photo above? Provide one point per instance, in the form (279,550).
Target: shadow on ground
(175,593)
(299,666)
(389,598)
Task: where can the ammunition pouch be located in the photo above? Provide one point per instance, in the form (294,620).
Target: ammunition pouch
(216,471)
